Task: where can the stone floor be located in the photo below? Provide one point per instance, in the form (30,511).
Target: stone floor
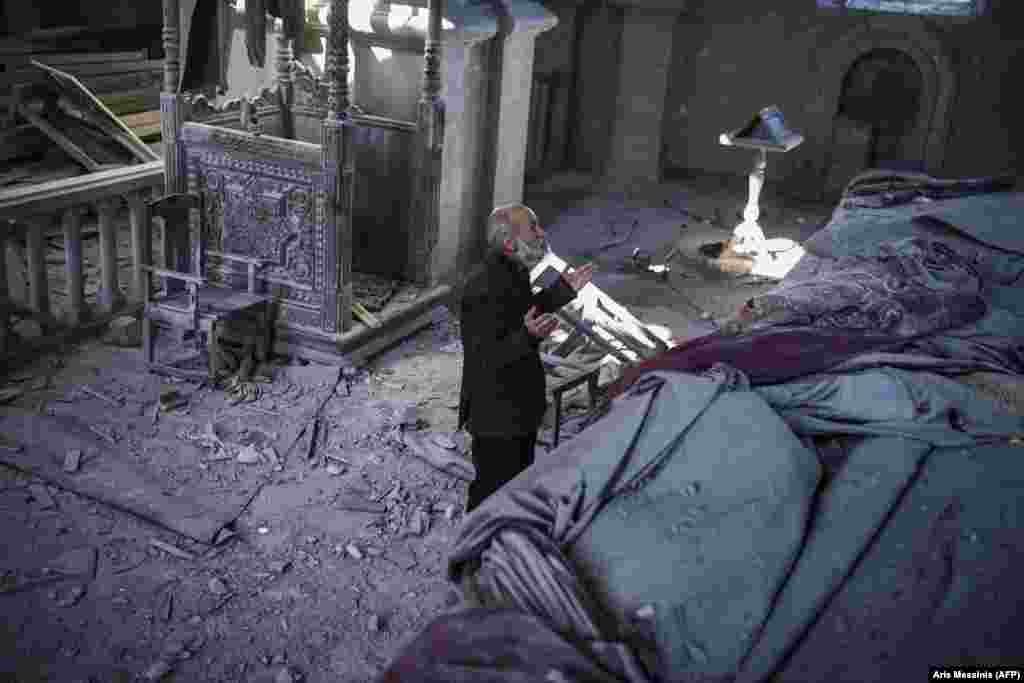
(309,588)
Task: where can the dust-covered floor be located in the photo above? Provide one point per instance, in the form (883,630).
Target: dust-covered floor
(336,561)
(339,558)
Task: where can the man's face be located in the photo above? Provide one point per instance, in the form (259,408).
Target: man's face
(530,244)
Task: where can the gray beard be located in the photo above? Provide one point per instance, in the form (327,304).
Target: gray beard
(530,253)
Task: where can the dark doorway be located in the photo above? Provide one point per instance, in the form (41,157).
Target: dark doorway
(882,90)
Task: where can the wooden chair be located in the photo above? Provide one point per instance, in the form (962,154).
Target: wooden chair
(202,307)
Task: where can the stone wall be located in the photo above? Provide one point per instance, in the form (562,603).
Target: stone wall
(729,61)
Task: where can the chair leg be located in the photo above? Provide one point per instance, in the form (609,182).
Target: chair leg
(264,347)
(558,418)
(213,350)
(149,341)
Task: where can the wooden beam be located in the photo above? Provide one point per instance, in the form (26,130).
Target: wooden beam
(62,140)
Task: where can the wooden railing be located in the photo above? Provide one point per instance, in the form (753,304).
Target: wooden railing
(35,210)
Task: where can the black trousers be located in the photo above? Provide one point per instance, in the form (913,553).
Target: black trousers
(498,460)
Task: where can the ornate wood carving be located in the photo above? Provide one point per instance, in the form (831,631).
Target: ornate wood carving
(337,60)
(172,57)
(427,158)
(171,111)
(284,85)
(201,109)
(337,167)
(308,90)
(260,196)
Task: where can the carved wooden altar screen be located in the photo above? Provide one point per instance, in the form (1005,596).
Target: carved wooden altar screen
(264,197)
(292,201)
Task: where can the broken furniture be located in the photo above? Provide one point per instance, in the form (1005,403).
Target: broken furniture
(596,333)
(590,376)
(205,308)
(765,133)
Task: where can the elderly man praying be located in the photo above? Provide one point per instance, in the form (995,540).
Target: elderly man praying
(503,322)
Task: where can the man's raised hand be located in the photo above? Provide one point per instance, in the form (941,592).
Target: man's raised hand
(539,326)
(579,278)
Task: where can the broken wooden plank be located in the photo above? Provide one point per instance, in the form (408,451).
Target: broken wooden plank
(573,319)
(595,305)
(60,139)
(364,315)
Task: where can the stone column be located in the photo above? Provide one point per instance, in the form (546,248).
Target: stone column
(634,154)
(464,192)
(519,30)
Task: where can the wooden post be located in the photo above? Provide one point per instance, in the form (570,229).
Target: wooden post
(73,261)
(38,287)
(110,291)
(426,186)
(337,164)
(285,87)
(5,228)
(171,114)
(142,245)
(5,292)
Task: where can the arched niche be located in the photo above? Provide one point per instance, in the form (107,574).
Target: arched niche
(912,37)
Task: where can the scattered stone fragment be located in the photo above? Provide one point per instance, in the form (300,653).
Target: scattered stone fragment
(263,530)
(73,596)
(334,469)
(403,557)
(79,562)
(289,674)
(279,566)
(217,586)
(420,522)
(374,623)
(692,489)
(42,496)
(356,503)
(171,399)
(72,460)
(157,670)
(449,512)
(249,456)
(354,552)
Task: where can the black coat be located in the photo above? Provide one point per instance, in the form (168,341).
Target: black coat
(503,390)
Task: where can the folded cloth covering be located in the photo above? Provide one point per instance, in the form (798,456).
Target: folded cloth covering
(832,310)
(685,473)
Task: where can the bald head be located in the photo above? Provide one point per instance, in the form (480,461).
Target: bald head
(515,231)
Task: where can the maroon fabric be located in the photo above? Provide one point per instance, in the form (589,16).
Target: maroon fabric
(766,356)
(491,646)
